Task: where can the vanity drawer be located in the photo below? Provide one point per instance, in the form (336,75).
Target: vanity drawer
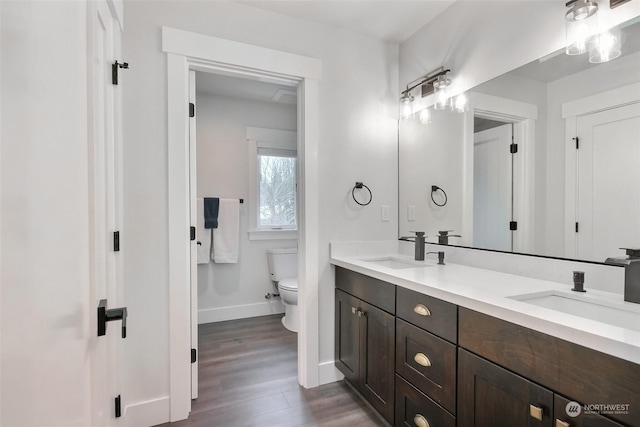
(413,408)
(434,315)
(374,291)
(427,362)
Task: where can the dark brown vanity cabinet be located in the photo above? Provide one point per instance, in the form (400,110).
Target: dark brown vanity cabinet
(424,362)
(489,395)
(365,338)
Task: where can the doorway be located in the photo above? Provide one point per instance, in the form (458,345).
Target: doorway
(191,51)
(243,137)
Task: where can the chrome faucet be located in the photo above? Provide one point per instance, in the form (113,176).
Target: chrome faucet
(443,236)
(419,247)
(631,266)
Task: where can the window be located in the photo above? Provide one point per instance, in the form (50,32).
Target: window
(277,188)
(273,201)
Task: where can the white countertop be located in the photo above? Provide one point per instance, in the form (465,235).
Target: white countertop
(488,292)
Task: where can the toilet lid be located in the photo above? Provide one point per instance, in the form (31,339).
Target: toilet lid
(289,284)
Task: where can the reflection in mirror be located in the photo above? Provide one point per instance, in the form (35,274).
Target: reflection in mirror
(545,161)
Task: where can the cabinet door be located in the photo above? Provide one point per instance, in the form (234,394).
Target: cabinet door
(563,407)
(377,358)
(347,340)
(489,395)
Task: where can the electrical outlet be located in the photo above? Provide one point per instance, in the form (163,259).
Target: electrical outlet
(384,213)
(411,213)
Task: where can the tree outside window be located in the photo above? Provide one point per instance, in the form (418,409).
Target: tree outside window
(277,190)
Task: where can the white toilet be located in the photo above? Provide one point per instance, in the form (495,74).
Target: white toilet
(283,267)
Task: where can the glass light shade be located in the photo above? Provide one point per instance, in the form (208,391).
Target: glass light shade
(441,93)
(607,46)
(406,101)
(460,103)
(425,116)
(582,26)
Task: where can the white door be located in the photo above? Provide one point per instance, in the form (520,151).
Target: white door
(194,248)
(608,186)
(105,213)
(492,188)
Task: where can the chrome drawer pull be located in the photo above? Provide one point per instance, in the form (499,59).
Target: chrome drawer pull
(421,359)
(422,310)
(421,421)
(535,412)
(560,423)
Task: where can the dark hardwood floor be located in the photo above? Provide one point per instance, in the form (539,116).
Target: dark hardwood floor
(248,376)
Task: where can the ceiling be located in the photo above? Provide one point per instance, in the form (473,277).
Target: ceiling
(250,89)
(388,20)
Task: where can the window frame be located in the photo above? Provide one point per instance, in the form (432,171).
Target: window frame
(271,139)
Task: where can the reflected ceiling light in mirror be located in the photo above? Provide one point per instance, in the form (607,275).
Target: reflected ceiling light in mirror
(606,47)
(425,116)
(442,99)
(460,103)
(582,26)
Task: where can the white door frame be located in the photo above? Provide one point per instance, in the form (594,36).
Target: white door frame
(192,51)
(523,116)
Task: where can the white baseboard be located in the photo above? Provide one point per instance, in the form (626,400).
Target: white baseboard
(220,314)
(149,413)
(328,373)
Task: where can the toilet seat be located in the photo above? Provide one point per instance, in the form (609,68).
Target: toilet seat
(289,284)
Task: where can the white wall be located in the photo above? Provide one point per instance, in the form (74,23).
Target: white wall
(358,94)
(227,291)
(44,241)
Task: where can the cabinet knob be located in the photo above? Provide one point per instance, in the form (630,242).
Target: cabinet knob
(353,310)
(421,421)
(535,412)
(422,310)
(361,313)
(560,423)
(421,359)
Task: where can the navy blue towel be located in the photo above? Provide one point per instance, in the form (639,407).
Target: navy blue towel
(211,208)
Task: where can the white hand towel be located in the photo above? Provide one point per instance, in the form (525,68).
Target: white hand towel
(203,235)
(226,238)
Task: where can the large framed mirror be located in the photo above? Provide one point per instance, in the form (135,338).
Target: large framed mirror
(544,162)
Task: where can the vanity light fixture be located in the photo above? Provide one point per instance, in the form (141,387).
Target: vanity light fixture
(406,100)
(460,103)
(425,116)
(442,99)
(606,47)
(581,26)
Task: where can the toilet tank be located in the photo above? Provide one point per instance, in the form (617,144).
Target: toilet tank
(282,263)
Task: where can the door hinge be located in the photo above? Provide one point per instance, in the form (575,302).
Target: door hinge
(114,70)
(194,355)
(192,109)
(577,140)
(192,233)
(513,225)
(577,227)
(118,407)
(116,241)
(513,148)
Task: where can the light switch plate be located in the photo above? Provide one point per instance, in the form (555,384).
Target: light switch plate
(384,213)
(411,213)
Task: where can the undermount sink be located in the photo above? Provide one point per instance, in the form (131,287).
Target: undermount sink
(397,263)
(624,315)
